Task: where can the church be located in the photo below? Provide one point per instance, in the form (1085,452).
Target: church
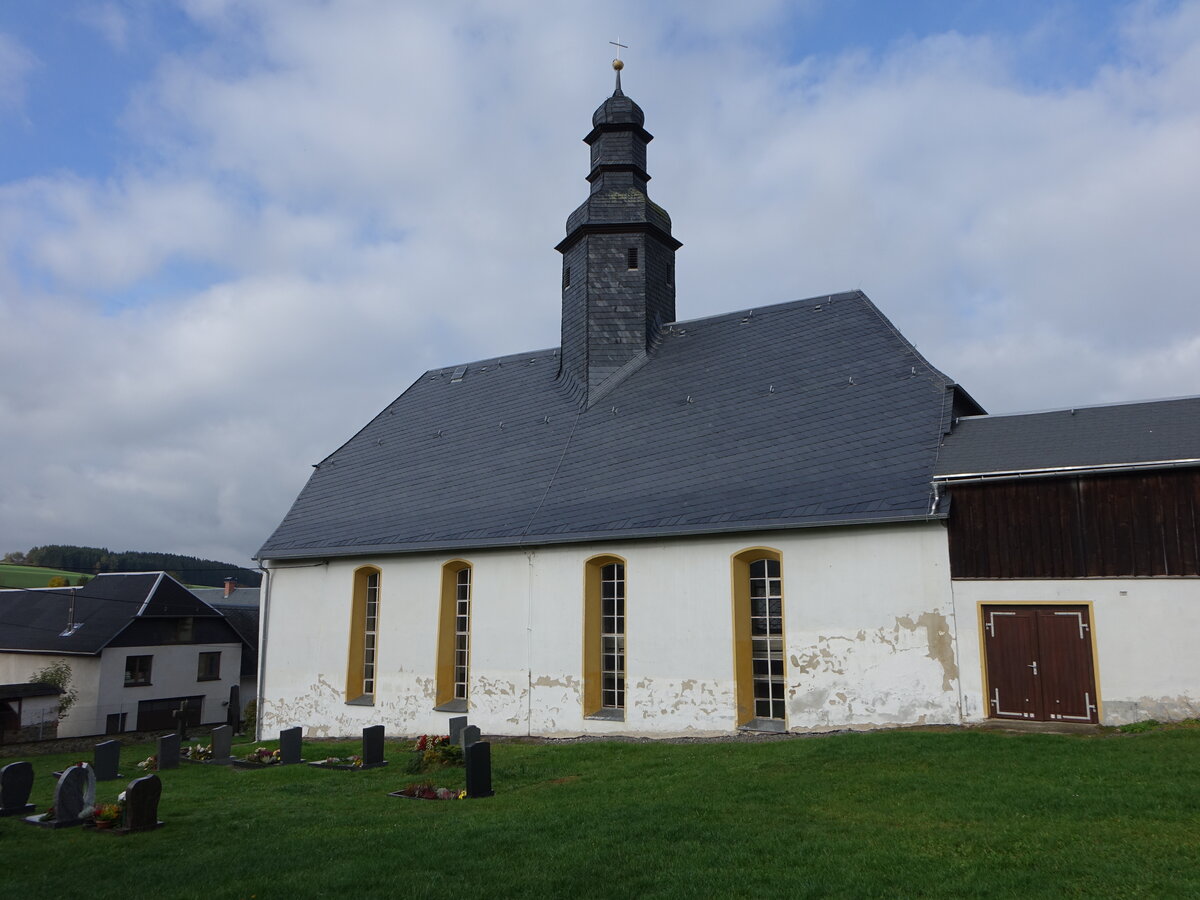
(672,526)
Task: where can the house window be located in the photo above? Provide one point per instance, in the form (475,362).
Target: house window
(631,258)
(454,638)
(364,637)
(604,638)
(209,667)
(758,639)
(184,629)
(137,670)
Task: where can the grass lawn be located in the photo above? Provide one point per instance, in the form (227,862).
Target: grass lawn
(957,813)
(31,576)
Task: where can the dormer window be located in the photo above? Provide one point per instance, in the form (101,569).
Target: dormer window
(631,258)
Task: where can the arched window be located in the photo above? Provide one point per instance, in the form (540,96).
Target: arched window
(454,637)
(758,638)
(604,638)
(364,637)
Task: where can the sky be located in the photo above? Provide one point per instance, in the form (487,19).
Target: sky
(232,232)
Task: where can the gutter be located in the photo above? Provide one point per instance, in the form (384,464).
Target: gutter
(1017,475)
(264,616)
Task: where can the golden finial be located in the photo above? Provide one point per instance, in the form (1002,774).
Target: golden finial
(618,65)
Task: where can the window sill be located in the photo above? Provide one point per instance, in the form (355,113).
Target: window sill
(455,706)
(607,715)
(774,726)
(212,678)
(139,684)
(364,700)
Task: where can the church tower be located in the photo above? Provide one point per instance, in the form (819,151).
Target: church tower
(618,277)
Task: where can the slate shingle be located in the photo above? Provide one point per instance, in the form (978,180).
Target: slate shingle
(1125,434)
(815,412)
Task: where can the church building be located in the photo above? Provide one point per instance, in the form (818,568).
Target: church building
(667,525)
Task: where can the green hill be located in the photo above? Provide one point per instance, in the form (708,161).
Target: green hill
(34,576)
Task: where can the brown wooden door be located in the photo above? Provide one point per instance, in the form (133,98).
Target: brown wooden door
(1039,663)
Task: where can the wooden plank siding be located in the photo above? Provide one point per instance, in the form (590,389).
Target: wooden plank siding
(1130,524)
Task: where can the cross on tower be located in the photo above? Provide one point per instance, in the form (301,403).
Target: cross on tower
(617,43)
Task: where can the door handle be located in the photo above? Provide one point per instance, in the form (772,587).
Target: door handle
(1033,665)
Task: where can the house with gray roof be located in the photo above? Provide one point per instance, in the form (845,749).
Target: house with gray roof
(140,646)
(663,525)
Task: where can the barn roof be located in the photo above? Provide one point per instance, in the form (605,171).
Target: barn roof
(1155,433)
(815,412)
(41,620)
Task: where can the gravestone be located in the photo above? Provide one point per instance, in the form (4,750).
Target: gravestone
(106,759)
(372,747)
(222,744)
(457,724)
(289,746)
(141,804)
(16,781)
(470,735)
(168,752)
(180,717)
(74,798)
(478,758)
(233,715)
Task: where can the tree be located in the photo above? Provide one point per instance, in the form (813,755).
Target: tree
(58,581)
(59,675)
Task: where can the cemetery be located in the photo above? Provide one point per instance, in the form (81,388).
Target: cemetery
(850,814)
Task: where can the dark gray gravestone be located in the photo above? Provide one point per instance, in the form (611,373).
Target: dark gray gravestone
(233,715)
(372,748)
(168,752)
(16,781)
(222,744)
(478,757)
(457,724)
(470,735)
(141,804)
(74,798)
(180,716)
(106,759)
(289,746)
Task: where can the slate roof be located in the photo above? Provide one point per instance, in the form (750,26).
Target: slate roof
(28,689)
(1153,433)
(815,412)
(36,620)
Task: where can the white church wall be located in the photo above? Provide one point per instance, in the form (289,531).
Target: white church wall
(1146,662)
(867,619)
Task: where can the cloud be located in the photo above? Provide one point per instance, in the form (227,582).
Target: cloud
(109,22)
(318,201)
(16,62)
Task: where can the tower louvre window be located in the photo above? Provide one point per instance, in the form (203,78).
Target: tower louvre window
(566,277)
(631,257)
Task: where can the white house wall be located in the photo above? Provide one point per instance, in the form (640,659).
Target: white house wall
(867,616)
(16,668)
(1145,632)
(172,674)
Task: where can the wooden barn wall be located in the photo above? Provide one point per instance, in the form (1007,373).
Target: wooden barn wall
(1135,524)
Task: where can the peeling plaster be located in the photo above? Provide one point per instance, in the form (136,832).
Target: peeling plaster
(941,643)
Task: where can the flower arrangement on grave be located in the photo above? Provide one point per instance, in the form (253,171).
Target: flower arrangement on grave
(354,762)
(425,790)
(197,752)
(432,751)
(47,816)
(149,764)
(263,756)
(106,815)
